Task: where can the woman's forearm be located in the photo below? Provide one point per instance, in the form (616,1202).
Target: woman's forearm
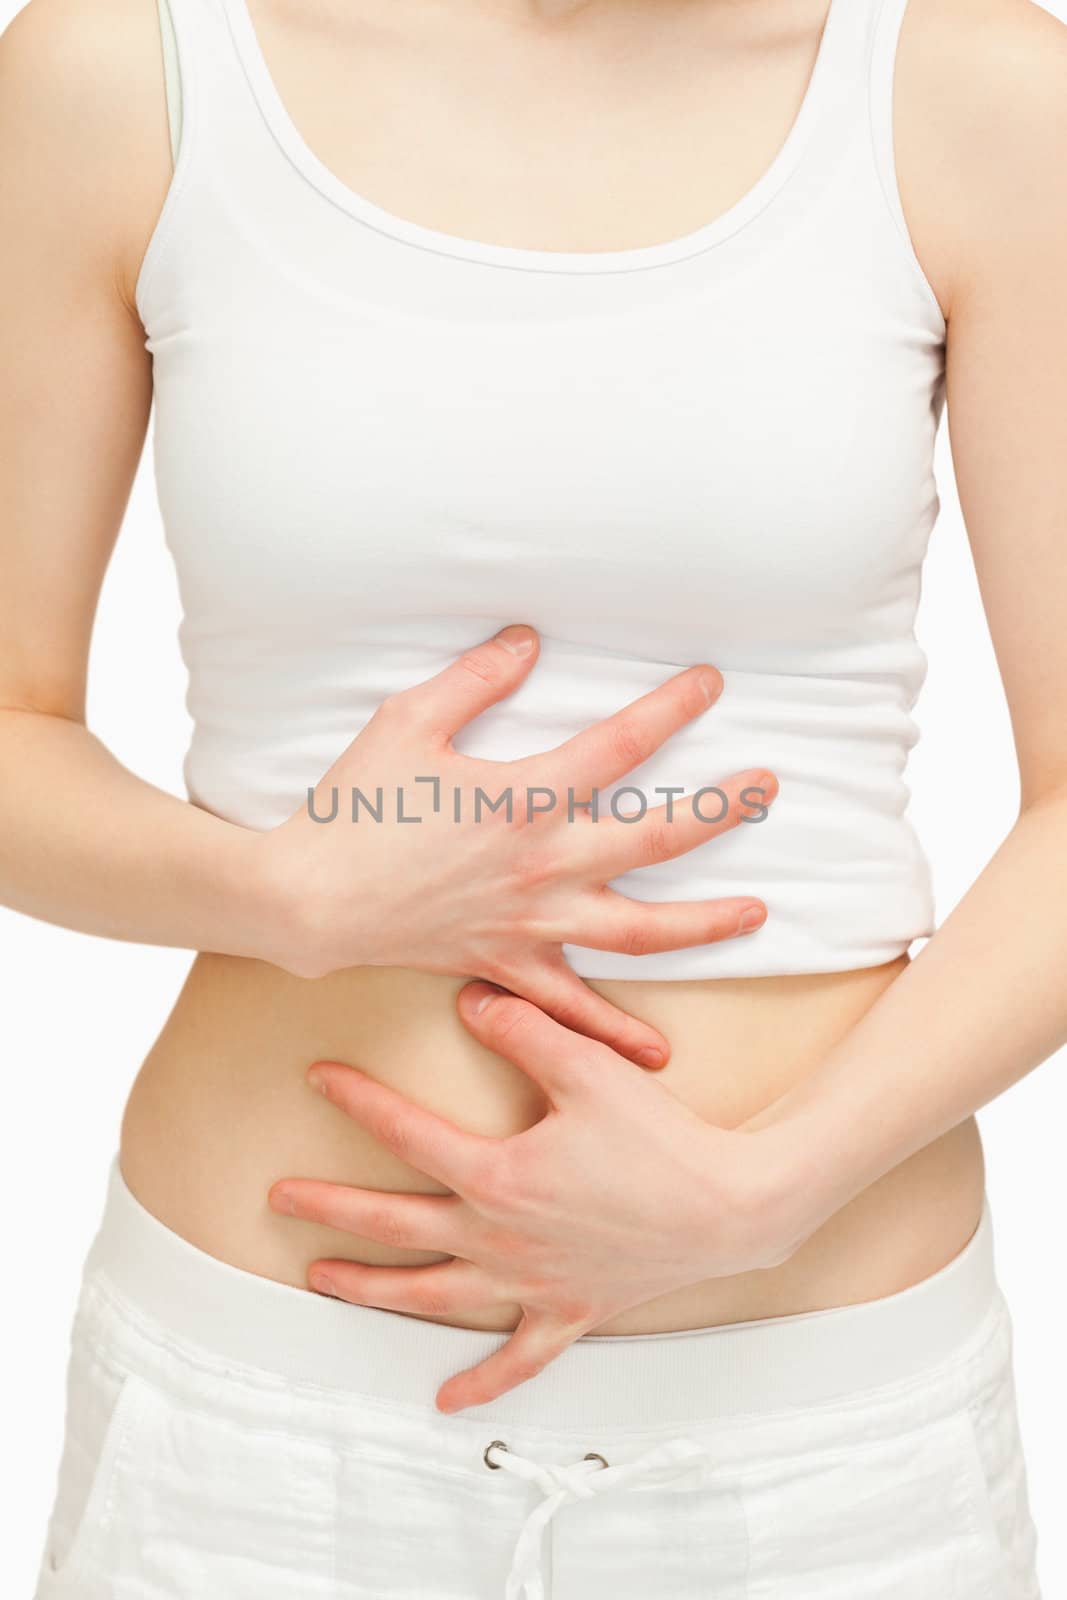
(983,1003)
(87,844)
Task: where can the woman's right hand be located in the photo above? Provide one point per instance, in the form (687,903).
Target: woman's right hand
(487,896)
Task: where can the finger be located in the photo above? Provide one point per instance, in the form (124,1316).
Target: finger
(408,1221)
(476,680)
(558,1060)
(557,989)
(616,745)
(445,1289)
(535,1342)
(670,830)
(421,1138)
(640,927)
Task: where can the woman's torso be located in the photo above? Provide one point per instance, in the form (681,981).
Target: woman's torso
(787,548)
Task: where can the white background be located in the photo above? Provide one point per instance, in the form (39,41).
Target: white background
(78,1014)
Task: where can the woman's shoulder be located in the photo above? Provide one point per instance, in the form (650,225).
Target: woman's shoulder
(83,125)
(980,131)
(63,59)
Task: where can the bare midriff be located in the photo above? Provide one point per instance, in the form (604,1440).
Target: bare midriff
(221,1109)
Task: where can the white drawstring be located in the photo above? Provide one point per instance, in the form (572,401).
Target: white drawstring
(663,1464)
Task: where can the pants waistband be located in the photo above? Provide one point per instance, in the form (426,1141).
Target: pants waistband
(748,1368)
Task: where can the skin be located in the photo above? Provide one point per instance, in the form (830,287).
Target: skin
(828,1139)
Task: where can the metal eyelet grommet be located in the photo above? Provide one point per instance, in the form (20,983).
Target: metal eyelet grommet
(495,1444)
(594,1455)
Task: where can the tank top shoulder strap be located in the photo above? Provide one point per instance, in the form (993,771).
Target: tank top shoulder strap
(171,76)
(854,59)
(202,71)
(849,185)
(887,17)
(219,147)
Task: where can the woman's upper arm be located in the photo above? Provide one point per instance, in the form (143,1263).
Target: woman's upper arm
(982,162)
(84,164)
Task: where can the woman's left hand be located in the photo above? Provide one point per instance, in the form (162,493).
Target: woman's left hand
(617,1195)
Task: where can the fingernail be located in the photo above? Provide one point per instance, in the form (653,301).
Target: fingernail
(709,685)
(649,1057)
(754,917)
(516,638)
(318,1080)
(322,1283)
(283,1201)
(494,992)
(769,784)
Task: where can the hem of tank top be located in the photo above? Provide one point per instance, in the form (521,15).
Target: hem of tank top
(718,230)
(880,77)
(867,964)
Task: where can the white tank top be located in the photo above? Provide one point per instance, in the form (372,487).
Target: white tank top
(376,443)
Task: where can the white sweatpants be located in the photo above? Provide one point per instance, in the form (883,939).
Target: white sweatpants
(232,1438)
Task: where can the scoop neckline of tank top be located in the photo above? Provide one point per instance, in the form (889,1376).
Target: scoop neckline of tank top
(294,146)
